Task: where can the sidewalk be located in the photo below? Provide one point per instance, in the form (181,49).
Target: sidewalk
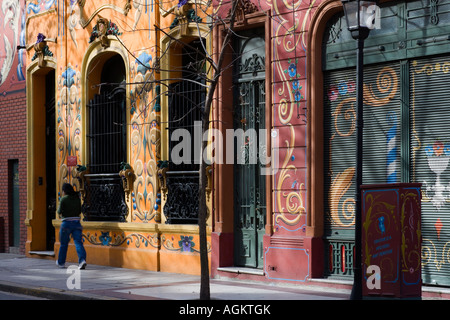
(41,277)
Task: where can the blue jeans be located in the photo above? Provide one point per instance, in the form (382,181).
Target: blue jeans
(73,228)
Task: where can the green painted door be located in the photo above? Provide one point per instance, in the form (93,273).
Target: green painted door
(249,119)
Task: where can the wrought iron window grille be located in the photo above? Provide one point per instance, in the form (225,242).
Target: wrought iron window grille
(104,198)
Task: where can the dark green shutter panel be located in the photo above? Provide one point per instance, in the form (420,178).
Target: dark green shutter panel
(381,152)
(430,155)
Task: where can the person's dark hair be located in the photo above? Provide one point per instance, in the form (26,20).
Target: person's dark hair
(68,189)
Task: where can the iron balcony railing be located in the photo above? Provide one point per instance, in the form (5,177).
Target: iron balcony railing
(182,197)
(104,198)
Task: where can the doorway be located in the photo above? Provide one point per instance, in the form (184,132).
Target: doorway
(50,155)
(249,118)
(14,203)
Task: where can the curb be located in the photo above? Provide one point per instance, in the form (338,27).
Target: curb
(51,293)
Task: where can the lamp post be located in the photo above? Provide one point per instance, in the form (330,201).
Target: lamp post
(360,19)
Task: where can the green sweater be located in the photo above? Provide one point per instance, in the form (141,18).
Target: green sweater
(69,206)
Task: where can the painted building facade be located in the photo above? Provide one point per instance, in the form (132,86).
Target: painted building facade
(91,78)
(13,127)
(289,76)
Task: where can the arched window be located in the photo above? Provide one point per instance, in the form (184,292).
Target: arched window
(186,99)
(107,120)
(106,115)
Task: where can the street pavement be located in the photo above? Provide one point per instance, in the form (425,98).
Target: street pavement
(22,277)
(42,278)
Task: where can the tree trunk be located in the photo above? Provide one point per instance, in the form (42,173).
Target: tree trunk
(203,210)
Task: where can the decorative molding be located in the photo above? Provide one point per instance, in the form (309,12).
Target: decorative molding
(41,50)
(243,8)
(165,12)
(128,177)
(163,166)
(80,172)
(127,7)
(434,18)
(184,15)
(208,180)
(102,29)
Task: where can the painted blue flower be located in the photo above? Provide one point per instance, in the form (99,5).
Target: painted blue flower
(342,88)
(292,70)
(143,62)
(105,238)
(429,151)
(68,76)
(295,84)
(186,244)
(447,150)
(298,96)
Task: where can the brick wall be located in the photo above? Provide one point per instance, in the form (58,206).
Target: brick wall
(13,145)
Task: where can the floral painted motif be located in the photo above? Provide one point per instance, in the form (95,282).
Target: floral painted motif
(186,244)
(69,122)
(437,149)
(438,156)
(341,89)
(292,70)
(333,93)
(105,238)
(295,83)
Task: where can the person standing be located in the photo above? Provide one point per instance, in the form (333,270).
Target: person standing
(69,211)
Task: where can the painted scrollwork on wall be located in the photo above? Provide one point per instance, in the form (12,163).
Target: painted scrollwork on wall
(293,203)
(12,20)
(113,239)
(145,139)
(290,70)
(68,120)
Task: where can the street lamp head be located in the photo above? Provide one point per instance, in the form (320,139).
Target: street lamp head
(360,17)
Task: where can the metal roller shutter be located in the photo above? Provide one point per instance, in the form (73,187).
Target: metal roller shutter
(406,133)
(381,152)
(430,155)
